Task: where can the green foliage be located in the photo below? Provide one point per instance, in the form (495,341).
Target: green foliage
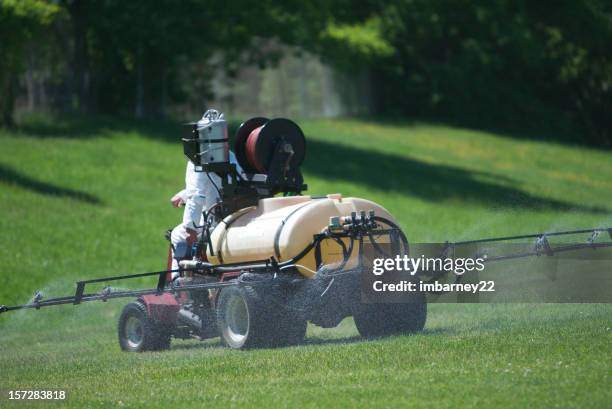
(27,11)
(347,41)
(519,66)
(21,22)
(151,52)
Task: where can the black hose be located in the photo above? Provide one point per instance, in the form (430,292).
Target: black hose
(341,244)
(394,226)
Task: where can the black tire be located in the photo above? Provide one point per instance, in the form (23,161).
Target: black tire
(244,319)
(377,320)
(248,318)
(138,332)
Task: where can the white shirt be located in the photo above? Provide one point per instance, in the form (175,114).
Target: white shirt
(200,193)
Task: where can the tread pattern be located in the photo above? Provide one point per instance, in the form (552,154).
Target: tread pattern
(156,336)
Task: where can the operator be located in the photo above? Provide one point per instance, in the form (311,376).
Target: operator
(200,193)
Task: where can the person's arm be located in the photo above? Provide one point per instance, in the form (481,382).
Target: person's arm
(179,199)
(195,183)
(193,211)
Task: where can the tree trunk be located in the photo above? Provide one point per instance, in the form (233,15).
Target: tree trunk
(67,90)
(30,82)
(139,103)
(78,14)
(163,100)
(7,102)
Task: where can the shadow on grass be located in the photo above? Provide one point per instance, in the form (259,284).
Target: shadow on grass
(376,170)
(308,341)
(206,344)
(411,177)
(85,126)
(9,176)
(551,130)
(333,341)
(353,339)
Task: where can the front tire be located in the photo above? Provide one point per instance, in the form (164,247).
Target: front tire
(138,332)
(252,319)
(244,319)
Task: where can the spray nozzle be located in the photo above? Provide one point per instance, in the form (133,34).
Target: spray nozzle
(106,291)
(38,296)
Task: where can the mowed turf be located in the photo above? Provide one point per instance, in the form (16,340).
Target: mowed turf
(88,197)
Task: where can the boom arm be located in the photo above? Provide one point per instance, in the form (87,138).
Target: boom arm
(355,229)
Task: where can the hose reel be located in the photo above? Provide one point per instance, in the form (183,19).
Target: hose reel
(269,151)
(260,141)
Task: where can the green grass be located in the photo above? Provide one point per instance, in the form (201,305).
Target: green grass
(89,197)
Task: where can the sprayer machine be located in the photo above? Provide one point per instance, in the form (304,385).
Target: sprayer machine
(269,259)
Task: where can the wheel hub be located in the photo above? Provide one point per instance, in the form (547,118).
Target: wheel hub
(134,332)
(237,319)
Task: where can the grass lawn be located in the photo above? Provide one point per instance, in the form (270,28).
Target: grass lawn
(81,198)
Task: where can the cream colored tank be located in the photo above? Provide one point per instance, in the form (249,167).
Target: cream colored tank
(281,227)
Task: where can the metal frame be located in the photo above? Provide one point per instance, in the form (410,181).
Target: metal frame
(356,229)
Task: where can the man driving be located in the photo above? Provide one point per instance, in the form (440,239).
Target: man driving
(201,193)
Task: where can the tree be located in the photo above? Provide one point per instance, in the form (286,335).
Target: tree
(21,21)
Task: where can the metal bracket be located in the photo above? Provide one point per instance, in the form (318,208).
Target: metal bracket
(106,291)
(78,295)
(593,237)
(161,282)
(542,243)
(445,250)
(36,299)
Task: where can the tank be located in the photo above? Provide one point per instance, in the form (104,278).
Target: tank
(281,227)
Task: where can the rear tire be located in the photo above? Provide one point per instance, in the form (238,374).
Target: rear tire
(138,332)
(377,320)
